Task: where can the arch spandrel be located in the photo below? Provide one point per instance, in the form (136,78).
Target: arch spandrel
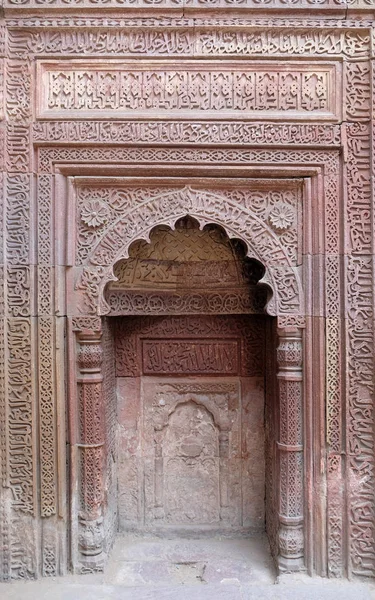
(281,277)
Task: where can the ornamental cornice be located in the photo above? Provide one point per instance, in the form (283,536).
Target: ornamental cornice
(113,21)
(194,6)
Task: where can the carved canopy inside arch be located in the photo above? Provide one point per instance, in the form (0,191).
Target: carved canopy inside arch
(264,239)
(187,270)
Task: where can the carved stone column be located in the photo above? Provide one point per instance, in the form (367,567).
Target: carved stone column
(291,531)
(91,450)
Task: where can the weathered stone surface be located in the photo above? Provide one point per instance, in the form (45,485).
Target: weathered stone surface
(151,568)
(190,165)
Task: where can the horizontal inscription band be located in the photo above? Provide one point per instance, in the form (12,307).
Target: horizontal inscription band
(199,89)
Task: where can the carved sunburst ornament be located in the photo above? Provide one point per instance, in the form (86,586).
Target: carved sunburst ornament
(95,213)
(281,217)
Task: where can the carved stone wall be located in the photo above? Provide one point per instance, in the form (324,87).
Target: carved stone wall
(261,91)
(191,447)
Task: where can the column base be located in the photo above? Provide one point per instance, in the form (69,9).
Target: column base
(290,565)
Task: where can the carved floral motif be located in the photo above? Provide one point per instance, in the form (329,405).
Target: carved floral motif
(94,213)
(281,217)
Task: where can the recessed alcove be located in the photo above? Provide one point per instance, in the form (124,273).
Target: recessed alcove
(190,440)
(193,366)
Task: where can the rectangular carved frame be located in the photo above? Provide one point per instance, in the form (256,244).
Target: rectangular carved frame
(320,171)
(34,312)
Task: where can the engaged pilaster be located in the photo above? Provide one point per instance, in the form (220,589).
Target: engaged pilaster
(291,534)
(91,450)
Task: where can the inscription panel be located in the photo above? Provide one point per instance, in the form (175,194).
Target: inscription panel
(187,132)
(196,90)
(190,356)
(190,37)
(196,344)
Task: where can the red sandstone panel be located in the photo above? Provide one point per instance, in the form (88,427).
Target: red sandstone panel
(200,89)
(191,449)
(243,333)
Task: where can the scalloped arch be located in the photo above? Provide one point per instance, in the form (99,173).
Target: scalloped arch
(262,244)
